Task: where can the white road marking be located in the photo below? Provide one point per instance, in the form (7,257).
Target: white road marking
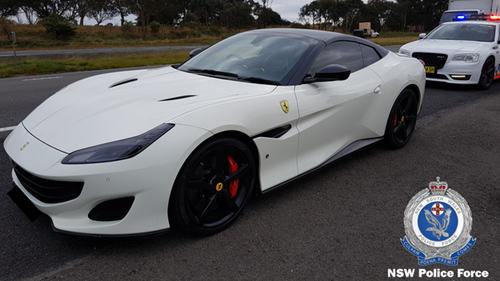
(43,78)
(6,129)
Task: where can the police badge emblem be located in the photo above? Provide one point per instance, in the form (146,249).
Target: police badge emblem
(438,222)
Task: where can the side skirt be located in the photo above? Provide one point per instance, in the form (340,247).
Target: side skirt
(353,147)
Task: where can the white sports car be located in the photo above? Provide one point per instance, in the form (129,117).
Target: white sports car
(464,52)
(184,147)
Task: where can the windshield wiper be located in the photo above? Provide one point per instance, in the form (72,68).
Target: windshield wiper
(213,72)
(259,80)
(229,74)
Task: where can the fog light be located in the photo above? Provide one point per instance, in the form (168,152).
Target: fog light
(460,77)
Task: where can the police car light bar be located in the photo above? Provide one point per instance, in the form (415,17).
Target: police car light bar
(477,17)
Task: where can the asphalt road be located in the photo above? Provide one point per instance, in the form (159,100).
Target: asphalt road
(342,223)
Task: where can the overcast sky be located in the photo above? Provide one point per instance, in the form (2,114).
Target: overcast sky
(289,9)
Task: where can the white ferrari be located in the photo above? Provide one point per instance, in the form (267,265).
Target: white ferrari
(185,146)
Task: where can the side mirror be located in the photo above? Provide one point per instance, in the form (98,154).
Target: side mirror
(332,72)
(195,52)
(422,35)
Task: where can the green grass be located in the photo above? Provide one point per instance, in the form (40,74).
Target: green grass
(48,66)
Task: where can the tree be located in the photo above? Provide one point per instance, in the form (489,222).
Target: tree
(145,9)
(9,8)
(263,12)
(237,14)
(83,7)
(6,27)
(350,10)
(376,12)
(122,7)
(103,10)
(45,8)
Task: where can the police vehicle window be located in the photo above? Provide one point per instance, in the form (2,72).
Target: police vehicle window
(344,53)
(369,55)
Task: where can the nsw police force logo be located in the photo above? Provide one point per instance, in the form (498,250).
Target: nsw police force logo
(438,222)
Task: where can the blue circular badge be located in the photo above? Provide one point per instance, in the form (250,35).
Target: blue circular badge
(437,221)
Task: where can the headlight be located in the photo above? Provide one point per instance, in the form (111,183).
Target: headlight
(404,52)
(117,150)
(468,58)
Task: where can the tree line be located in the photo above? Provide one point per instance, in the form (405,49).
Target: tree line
(386,15)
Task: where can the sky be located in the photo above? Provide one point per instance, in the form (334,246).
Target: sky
(289,9)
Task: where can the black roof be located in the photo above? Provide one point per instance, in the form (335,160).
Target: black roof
(321,35)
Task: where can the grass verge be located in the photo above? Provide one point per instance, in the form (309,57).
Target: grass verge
(75,63)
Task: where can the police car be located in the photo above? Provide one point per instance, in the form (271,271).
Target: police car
(460,52)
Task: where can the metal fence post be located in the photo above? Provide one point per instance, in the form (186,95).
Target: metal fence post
(14,45)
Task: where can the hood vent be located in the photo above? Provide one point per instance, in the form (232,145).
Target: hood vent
(178,98)
(123,82)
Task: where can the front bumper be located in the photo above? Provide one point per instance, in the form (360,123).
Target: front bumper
(472,71)
(147,178)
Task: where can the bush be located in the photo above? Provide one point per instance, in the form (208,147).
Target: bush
(6,27)
(58,26)
(127,27)
(298,25)
(155,26)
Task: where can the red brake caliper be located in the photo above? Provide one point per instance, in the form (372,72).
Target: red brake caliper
(395,120)
(233,186)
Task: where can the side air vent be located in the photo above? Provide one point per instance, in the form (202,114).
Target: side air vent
(276,132)
(179,97)
(123,82)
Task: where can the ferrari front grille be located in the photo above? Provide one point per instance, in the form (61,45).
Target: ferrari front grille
(48,191)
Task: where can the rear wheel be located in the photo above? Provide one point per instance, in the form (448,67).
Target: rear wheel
(402,120)
(487,74)
(212,187)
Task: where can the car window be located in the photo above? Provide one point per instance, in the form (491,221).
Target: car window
(344,53)
(369,55)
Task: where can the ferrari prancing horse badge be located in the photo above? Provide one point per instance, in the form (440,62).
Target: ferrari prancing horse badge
(285,106)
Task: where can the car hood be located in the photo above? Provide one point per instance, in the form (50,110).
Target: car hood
(443,46)
(119,105)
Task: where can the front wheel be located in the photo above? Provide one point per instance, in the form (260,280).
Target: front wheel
(402,120)
(487,74)
(212,187)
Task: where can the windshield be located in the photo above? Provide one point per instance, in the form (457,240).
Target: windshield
(464,31)
(254,57)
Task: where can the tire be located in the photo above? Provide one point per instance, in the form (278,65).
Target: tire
(212,187)
(487,74)
(402,120)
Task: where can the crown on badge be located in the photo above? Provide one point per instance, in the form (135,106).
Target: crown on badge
(438,187)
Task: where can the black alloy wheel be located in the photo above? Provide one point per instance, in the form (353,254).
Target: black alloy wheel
(212,187)
(487,74)
(402,120)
